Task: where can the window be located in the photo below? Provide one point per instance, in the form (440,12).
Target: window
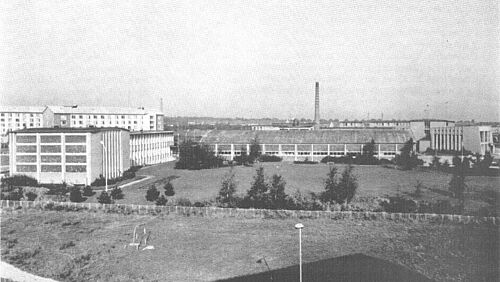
(76,168)
(26,139)
(51,168)
(76,159)
(50,148)
(75,149)
(26,149)
(26,168)
(50,139)
(26,159)
(75,139)
(51,159)
(81,116)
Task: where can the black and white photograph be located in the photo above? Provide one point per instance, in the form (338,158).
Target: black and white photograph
(236,140)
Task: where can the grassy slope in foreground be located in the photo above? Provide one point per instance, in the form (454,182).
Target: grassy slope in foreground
(83,246)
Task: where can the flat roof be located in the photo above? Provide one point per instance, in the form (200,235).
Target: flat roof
(68,129)
(101,110)
(150,132)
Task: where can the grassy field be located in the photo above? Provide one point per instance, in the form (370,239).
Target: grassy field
(374,181)
(80,246)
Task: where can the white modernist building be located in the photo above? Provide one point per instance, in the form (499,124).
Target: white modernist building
(19,117)
(80,117)
(151,147)
(71,155)
(474,138)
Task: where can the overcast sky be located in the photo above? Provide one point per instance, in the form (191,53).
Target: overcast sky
(256,58)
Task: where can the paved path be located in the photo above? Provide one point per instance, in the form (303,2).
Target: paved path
(137,181)
(15,274)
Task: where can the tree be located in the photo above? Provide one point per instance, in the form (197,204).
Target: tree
(87,191)
(341,190)
(75,195)
(484,164)
(330,196)
(407,159)
(116,193)
(368,154)
(152,194)
(457,184)
(277,195)
(104,198)
(254,151)
(256,195)
(169,189)
(348,185)
(31,196)
(161,201)
(228,188)
(195,156)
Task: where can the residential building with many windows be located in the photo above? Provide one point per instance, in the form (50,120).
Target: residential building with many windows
(19,117)
(70,155)
(133,119)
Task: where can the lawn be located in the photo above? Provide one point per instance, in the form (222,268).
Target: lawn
(374,181)
(70,246)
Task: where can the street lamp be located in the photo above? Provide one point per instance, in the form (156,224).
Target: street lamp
(105,166)
(299,226)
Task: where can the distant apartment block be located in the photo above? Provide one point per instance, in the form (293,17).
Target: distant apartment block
(19,117)
(80,117)
(151,147)
(71,155)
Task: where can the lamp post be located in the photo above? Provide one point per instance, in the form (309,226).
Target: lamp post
(299,226)
(105,166)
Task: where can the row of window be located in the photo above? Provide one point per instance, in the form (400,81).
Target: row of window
(106,117)
(51,139)
(19,115)
(51,168)
(51,149)
(50,159)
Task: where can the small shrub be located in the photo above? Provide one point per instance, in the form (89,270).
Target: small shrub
(418,189)
(19,180)
(184,202)
(75,195)
(31,196)
(269,158)
(15,195)
(87,191)
(161,201)
(152,194)
(116,193)
(169,189)
(104,198)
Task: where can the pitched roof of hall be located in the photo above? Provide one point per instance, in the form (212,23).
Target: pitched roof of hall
(100,110)
(21,109)
(332,136)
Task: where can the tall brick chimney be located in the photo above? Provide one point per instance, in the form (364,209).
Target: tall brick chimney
(316,109)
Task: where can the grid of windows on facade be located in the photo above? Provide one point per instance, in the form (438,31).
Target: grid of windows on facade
(51,156)
(130,122)
(15,121)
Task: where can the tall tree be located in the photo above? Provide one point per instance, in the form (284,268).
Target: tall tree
(348,185)
(277,195)
(226,196)
(257,194)
(457,184)
(330,195)
(254,151)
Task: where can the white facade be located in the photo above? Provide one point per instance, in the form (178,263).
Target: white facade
(151,147)
(477,139)
(18,117)
(80,117)
(74,156)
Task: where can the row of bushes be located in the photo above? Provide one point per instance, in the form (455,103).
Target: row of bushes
(128,174)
